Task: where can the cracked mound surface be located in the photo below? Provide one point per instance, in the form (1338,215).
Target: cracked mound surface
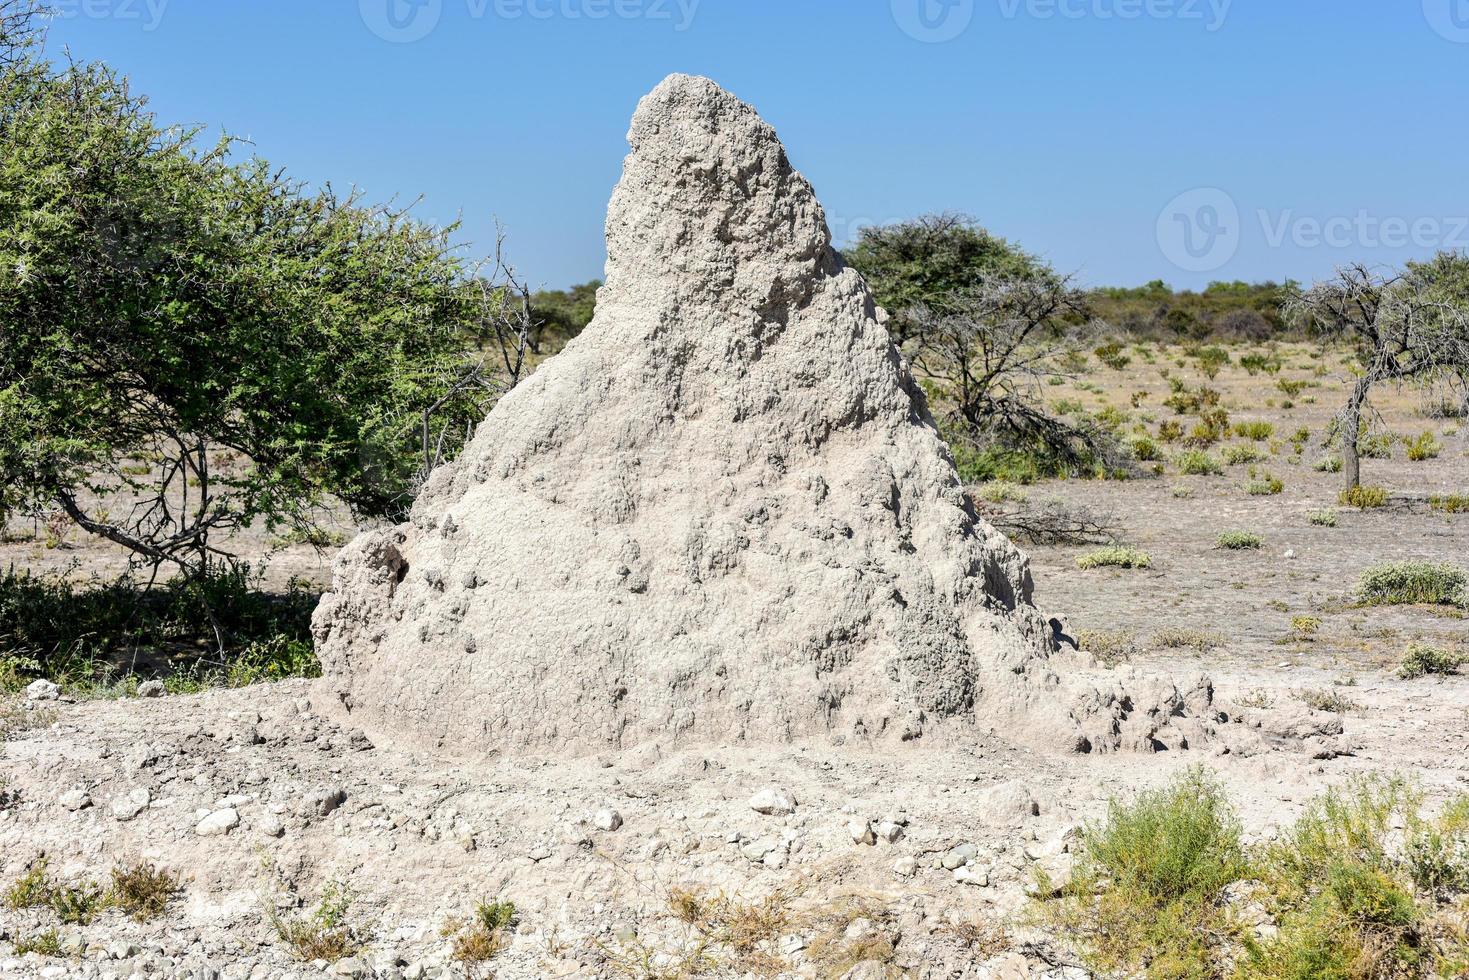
(722,513)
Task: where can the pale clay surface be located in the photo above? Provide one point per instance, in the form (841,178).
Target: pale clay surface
(722,514)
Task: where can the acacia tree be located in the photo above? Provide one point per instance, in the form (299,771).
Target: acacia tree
(1407,327)
(991,348)
(167,308)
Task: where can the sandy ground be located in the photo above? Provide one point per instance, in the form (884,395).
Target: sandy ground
(418,839)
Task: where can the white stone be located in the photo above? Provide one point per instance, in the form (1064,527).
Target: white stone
(218,823)
(773,801)
(905,867)
(43,690)
(607,820)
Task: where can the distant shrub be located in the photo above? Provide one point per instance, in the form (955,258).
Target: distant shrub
(1424,447)
(1291,388)
(1421,660)
(1196,462)
(1265,485)
(1242,454)
(1305,625)
(1406,583)
(1111,647)
(1254,430)
(1115,557)
(1112,355)
(1241,541)
(1177,638)
(1324,518)
(1454,503)
(1327,464)
(1378,446)
(1363,497)
(1212,360)
(1318,699)
(1145,450)
(1169,431)
(1001,492)
(1182,492)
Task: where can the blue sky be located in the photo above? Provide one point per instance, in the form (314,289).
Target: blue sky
(1124,140)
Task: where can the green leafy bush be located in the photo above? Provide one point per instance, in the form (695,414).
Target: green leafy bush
(1257,431)
(1324,518)
(1265,485)
(1146,895)
(95,637)
(1454,503)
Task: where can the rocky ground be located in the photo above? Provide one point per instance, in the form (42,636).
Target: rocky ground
(878,863)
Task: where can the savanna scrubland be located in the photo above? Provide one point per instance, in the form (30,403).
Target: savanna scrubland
(1265,484)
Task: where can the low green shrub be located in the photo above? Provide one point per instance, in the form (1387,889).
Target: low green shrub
(1324,518)
(1196,462)
(1422,448)
(1327,464)
(1454,503)
(1146,894)
(1241,541)
(1265,485)
(1363,497)
(1241,454)
(1257,431)
(1406,583)
(1420,660)
(1116,556)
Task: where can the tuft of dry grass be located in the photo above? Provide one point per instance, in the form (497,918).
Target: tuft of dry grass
(1187,639)
(143,891)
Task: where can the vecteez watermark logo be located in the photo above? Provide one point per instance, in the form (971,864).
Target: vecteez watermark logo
(406,21)
(936,21)
(146,13)
(933,21)
(401,21)
(1449,18)
(1201,230)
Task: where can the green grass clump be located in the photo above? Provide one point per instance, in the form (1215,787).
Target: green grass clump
(1001,492)
(1454,503)
(1422,448)
(1176,638)
(142,891)
(1420,660)
(483,937)
(1408,583)
(1363,497)
(1242,453)
(1265,485)
(1114,557)
(1351,902)
(1196,462)
(325,933)
(1241,541)
(1327,464)
(1145,450)
(1111,647)
(1146,896)
(46,943)
(1255,430)
(1324,518)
